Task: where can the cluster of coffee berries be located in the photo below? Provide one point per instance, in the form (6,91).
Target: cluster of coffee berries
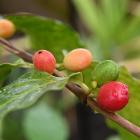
(112,95)
(7,28)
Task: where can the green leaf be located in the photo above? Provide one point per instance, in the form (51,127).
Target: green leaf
(44,123)
(27,89)
(47,34)
(6,68)
(132,110)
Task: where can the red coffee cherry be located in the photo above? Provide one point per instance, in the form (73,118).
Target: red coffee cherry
(7,28)
(44,61)
(113,96)
(78,59)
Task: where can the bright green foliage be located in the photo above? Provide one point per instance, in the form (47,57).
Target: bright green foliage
(41,122)
(47,34)
(132,110)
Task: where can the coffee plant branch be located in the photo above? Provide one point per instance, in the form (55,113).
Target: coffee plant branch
(78,91)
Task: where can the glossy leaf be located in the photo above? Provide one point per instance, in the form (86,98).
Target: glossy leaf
(27,89)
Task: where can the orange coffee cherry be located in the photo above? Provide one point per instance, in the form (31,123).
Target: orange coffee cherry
(7,28)
(78,59)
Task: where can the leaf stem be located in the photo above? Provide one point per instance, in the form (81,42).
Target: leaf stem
(78,91)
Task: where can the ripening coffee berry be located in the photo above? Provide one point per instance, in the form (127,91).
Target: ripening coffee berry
(113,96)
(105,71)
(7,28)
(44,61)
(78,59)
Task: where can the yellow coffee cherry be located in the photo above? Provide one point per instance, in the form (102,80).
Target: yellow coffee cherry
(78,59)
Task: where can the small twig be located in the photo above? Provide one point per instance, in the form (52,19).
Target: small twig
(79,92)
(9,47)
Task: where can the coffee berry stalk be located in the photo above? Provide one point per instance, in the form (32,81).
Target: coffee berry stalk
(113,96)
(78,60)
(44,60)
(7,28)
